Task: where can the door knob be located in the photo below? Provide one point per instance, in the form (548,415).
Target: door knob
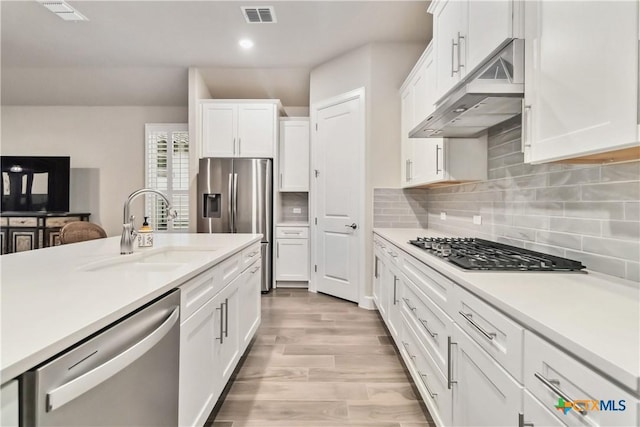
(352,226)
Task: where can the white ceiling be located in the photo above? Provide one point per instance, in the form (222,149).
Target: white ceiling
(172,35)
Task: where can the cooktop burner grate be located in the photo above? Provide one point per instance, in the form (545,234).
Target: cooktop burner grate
(480,254)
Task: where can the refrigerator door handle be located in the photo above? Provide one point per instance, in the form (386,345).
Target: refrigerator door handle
(235,202)
(230,207)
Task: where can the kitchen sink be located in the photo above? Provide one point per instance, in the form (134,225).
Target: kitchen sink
(150,261)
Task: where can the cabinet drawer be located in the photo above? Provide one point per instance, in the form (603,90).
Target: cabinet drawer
(538,414)
(4,222)
(250,254)
(431,383)
(60,222)
(492,330)
(393,254)
(197,291)
(23,222)
(432,325)
(229,269)
(433,284)
(551,374)
(292,232)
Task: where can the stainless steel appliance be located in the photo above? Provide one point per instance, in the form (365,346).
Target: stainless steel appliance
(480,254)
(236,196)
(126,375)
(488,96)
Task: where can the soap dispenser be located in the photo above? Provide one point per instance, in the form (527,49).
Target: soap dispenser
(145,235)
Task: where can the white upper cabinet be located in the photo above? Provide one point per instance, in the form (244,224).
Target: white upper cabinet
(294,155)
(219,124)
(581,79)
(433,160)
(468,32)
(239,129)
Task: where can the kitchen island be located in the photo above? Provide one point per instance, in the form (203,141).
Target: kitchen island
(54,298)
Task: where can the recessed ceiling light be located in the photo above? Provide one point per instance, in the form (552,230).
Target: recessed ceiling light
(245,44)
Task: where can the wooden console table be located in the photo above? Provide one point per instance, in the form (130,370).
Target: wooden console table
(24,231)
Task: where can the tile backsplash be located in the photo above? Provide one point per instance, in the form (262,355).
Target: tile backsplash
(586,212)
(289,201)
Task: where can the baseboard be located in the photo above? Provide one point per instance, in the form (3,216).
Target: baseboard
(367,303)
(298,285)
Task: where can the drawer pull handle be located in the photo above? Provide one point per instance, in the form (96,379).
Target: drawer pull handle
(553,386)
(406,301)
(424,323)
(292,232)
(450,380)
(488,335)
(423,377)
(252,254)
(406,347)
(255,269)
(521,422)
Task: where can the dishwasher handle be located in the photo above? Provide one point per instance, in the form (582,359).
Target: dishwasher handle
(78,386)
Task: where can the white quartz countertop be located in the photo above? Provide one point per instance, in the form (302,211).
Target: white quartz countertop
(593,316)
(54,297)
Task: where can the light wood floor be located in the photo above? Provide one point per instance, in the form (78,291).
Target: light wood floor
(318,361)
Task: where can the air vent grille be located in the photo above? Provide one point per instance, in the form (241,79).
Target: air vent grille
(63,10)
(259,15)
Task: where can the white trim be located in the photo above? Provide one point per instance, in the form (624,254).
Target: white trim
(367,303)
(359,94)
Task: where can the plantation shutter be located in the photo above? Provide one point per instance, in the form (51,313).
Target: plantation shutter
(167,170)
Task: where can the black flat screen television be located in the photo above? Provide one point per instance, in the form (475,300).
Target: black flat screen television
(35,184)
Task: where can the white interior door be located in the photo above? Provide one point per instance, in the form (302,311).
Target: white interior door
(339,195)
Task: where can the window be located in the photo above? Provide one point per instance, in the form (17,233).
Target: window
(167,170)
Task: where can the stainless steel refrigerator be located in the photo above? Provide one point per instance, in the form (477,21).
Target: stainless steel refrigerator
(236,196)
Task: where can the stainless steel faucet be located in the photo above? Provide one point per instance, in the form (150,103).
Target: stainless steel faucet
(129,232)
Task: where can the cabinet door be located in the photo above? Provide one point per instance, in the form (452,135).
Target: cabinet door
(229,350)
(448,21)
(256,130)
(394,318)
(581,78)
(219,124)
(9,409)
(381,291)
(294,156)
(249,298)
(419,88)
(199,374)
(484,394)
(378,273)
(406,114)
(490,27)
(292,259)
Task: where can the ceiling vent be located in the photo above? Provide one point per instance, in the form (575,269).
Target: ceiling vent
(63,10)
(259,14)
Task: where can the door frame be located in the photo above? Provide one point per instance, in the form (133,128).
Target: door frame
(358,94)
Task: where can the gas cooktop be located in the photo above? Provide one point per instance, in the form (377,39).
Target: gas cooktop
(479,254)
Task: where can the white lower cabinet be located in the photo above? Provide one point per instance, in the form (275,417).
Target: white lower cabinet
(215,334)
(250,307)
(292,254)
(484,394)
(550,374)
(431,383)
(537,414)
(199,384)
(9,411)
(474,366)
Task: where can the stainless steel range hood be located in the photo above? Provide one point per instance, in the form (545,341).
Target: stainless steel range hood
(489,96)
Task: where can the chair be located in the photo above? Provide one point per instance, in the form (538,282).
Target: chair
(80,231)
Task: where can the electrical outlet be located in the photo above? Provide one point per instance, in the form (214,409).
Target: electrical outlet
(477,219)
(443,216)
(297,210)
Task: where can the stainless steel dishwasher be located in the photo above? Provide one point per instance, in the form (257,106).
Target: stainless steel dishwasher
(126,375)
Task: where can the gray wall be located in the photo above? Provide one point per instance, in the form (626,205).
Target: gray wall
(586,212)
